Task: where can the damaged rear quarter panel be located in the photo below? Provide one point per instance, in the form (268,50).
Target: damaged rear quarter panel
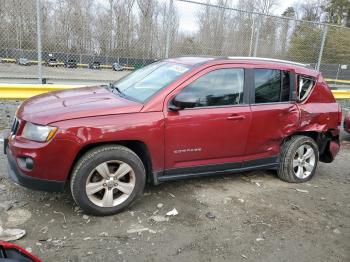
(319,111)
(318,117)
(273,123)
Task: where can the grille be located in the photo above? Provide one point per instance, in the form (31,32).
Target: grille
(14,126)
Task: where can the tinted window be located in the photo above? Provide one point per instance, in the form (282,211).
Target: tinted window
(267,85)
(271,86)
(217,88)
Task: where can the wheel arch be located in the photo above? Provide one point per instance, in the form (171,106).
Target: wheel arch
(138,147)
(322,140)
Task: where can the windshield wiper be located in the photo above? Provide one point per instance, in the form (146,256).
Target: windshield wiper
(121,93)
(114,87)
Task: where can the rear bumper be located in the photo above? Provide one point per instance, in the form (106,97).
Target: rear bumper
(30,182)
(332,147)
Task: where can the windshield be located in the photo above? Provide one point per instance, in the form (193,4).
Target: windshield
(145,82)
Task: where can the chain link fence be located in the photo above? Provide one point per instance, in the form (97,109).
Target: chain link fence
(228,32)
(134,33)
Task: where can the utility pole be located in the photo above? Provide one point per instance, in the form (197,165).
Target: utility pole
(323,41)
(257,36)
(167,44)
(252,37)
(38,32)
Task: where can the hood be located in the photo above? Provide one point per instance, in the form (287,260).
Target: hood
(75,103)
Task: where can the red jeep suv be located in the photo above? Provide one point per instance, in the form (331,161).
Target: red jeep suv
(174,119)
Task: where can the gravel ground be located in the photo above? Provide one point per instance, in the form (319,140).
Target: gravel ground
(250,216)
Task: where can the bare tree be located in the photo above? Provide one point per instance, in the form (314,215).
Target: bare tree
(213,27)
(265,6)
(310,10)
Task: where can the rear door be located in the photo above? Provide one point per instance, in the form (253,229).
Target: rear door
(274,115)
(215,131)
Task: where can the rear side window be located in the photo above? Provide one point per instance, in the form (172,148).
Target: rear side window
(271,86)
(305,85)
(217,88)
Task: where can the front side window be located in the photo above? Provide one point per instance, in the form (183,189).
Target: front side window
(217,88)
(271,86)
(145,82)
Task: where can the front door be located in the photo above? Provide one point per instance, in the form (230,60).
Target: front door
(214,131)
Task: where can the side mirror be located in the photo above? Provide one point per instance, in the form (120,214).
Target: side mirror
(182,101)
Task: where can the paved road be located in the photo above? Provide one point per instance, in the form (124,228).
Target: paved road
(14,73)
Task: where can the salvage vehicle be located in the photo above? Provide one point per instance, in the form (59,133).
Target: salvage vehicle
(175,119)
(347,123)
(23,61)
(117,67)
(52,62)
(95,65)
(70,63)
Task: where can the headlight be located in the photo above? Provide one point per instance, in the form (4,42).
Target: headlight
(37,132)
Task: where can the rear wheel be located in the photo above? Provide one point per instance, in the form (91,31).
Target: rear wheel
(299,159)
(107,179)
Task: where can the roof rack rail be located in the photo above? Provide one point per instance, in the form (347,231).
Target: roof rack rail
(266,59)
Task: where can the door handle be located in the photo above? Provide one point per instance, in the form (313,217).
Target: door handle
(236,117)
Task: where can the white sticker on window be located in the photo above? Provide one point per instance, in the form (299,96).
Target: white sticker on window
(178,68)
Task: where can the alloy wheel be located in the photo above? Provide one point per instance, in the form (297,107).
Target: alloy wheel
(110,183)
(304,161)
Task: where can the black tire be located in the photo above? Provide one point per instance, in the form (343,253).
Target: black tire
(92,159)
(288,151)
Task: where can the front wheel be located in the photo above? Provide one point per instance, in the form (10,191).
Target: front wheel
(107,179)
(298,160)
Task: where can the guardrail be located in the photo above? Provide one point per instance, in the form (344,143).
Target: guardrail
(24,91)
(341,94)
(337,81)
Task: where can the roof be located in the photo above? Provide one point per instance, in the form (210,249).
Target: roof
(200,60)
(266,59)
(194,60)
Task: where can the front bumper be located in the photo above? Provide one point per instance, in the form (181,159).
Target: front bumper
(30,182)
